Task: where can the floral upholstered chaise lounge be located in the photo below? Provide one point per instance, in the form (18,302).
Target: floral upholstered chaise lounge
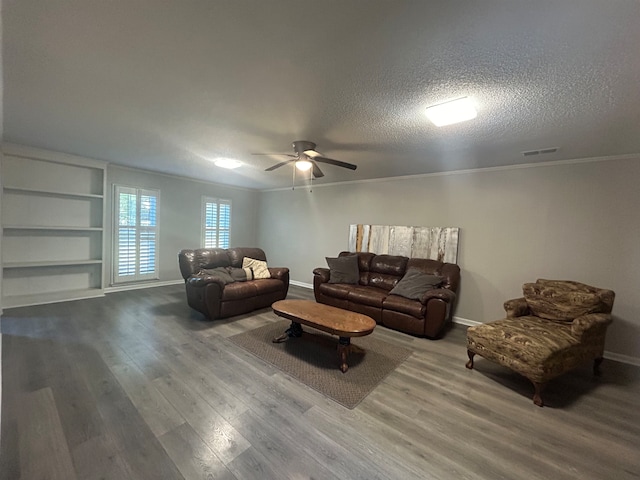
(556,326)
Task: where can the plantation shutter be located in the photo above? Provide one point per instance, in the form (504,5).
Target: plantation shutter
(136,234)
(216,223)
(224,223)
(126,241)
(210,224)
(148,233)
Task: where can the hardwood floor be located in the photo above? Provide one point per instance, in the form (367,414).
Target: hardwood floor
(136,385)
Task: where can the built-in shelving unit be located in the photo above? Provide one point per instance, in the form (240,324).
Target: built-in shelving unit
(49,192)
(53,226)
(48,227)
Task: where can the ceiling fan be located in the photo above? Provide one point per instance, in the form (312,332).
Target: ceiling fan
(307,156)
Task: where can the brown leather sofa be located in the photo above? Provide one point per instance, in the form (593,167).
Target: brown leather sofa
(210,295)
(379,274)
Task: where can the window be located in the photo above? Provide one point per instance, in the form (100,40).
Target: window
(136,234)
(216,222)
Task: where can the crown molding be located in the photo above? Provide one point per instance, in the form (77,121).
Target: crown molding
(573,161)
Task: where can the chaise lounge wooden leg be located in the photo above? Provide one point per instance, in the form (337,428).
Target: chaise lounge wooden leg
(596,366)
(537,396)
(469,364)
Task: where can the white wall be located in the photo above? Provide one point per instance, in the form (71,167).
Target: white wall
(1,137)
(576,221)
(180,215)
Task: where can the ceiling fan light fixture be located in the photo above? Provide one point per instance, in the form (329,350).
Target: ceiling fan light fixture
(452,111)
(230,163)
(303,165)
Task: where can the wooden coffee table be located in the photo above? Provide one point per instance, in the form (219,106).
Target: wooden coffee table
(343,323)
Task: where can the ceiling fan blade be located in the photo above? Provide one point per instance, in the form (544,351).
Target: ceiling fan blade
(338,163)
(312,153)
(277,154)
(316,170)
(278,165)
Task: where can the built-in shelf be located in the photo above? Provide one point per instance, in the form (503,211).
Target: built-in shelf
(49,263)
(53,297)
(57,193)
(52,228)
(53,238)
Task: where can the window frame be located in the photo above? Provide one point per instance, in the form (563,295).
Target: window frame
(219,202)
(137,276)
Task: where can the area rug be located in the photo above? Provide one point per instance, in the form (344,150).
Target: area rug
(313,360)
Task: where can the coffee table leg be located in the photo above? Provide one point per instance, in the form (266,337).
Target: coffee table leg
(344,348)
(294,331)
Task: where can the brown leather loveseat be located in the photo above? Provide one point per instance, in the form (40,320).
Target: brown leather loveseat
(426,314)
(217,287)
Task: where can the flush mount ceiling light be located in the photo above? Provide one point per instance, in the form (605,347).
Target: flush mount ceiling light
(227,162)
(303,165)
(453,111)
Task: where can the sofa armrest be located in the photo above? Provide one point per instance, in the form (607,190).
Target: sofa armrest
(322,274)
(440,293)
(281,273)
(516,307)
(187,263)
(592,323)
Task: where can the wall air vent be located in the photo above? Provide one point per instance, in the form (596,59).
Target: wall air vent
(542,151)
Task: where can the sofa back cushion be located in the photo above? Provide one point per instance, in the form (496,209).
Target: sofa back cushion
(209,258)
(237,254)
(385,271)
(565,300)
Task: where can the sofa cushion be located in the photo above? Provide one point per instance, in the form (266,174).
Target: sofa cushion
(386,270)
(389,264)
(562,300)
(211,258)
(237,254)
(335,290)
(415,283)
(343,269)
(404,305)
(239,291)
(259,267)
(267,285)
(367,295)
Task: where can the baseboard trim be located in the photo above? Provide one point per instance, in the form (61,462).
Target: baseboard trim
(139,286)
(617,357)
(301,284)
(465,321)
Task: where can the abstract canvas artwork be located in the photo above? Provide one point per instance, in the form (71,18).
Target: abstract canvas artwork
(436,243)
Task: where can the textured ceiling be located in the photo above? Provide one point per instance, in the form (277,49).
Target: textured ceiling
(169,85)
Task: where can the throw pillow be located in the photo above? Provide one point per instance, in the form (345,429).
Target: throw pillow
(344,269)
(259,268)
(415,283)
